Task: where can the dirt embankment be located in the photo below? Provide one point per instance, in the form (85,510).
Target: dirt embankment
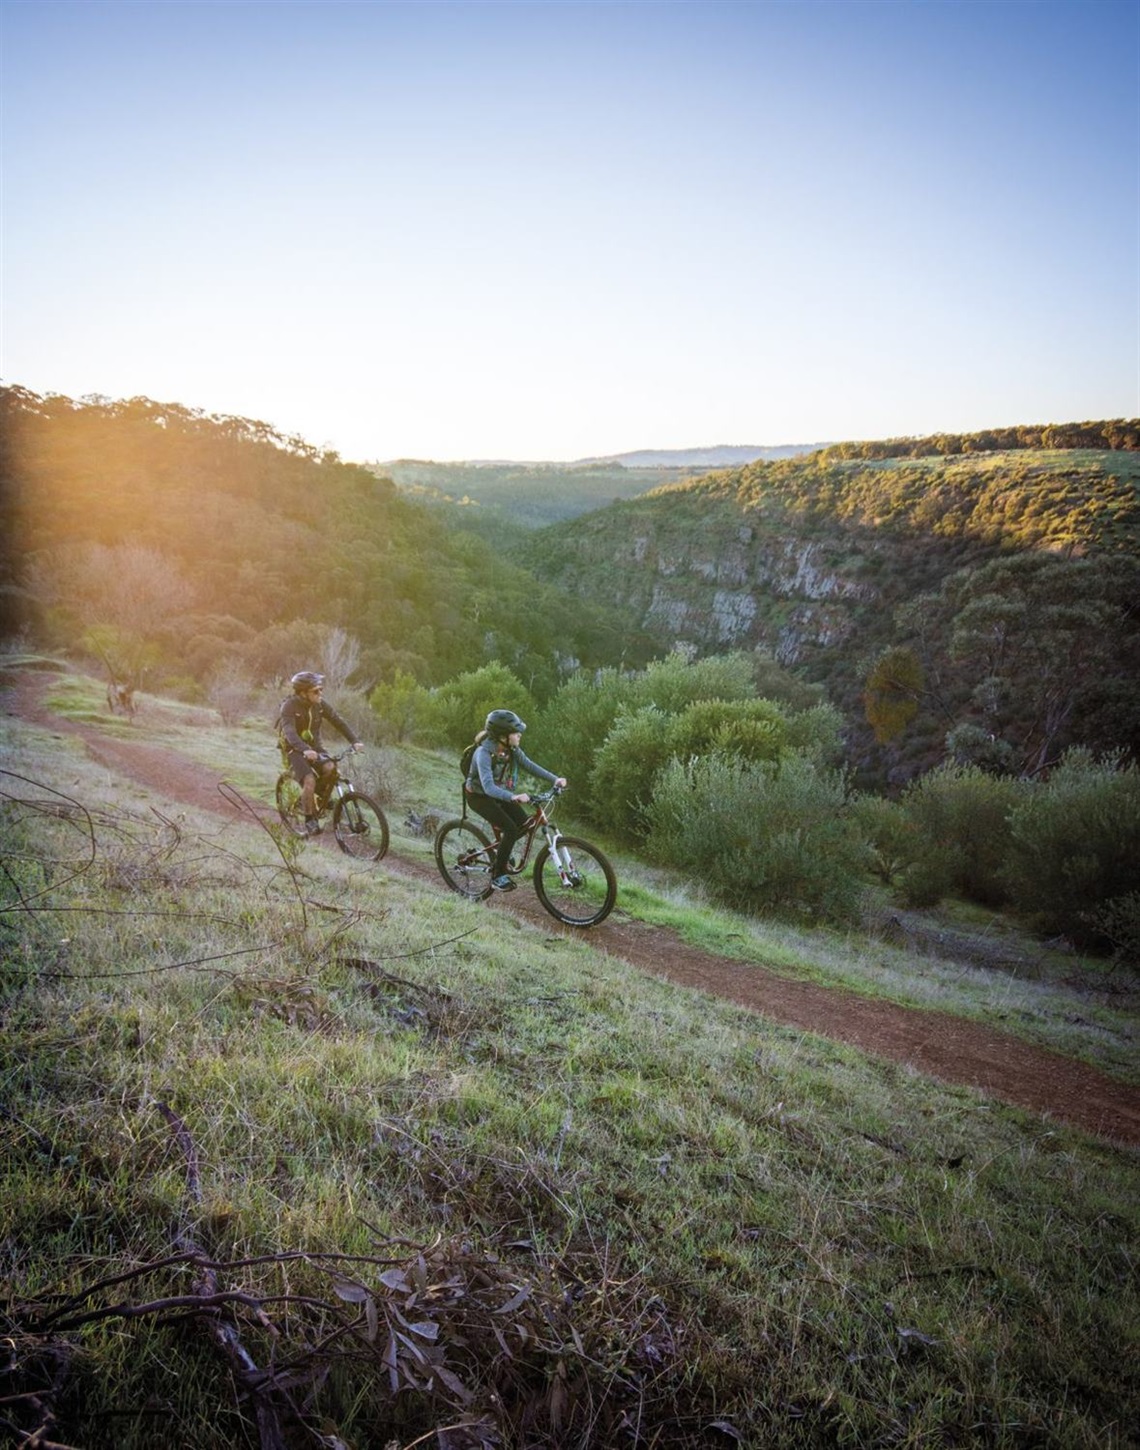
(946,1047)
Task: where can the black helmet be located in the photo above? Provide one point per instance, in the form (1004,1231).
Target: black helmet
(307,680)
(501,723)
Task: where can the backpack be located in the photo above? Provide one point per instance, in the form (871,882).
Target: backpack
(466,758)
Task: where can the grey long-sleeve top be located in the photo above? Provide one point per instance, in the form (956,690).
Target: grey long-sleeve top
(496,774)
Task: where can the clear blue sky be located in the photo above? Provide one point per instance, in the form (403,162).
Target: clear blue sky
(549,230)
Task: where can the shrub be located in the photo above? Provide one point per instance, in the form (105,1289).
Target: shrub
(817,733)
(675,681)
(637,747)
(354,707)
(452,713)
(576,722)
(1118,922)
(1074,847)
(750,729)
(887,834)
(960,835)
(398,706)
(643,741)
(231,694)
(772,838)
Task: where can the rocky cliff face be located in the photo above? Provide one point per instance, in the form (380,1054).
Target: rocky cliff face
(724,583)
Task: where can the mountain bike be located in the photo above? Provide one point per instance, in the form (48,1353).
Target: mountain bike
(359,825)
(572,879)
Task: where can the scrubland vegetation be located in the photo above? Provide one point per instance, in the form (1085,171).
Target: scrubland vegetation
(683,762)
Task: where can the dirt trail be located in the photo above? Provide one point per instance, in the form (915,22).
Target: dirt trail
(945,1047)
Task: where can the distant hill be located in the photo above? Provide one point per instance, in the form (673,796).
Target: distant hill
(485,497)
(531,494)
(721,455)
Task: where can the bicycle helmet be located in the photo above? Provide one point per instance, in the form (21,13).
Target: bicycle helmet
(307,680)
(501,723)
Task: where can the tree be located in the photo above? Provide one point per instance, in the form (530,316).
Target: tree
(893,692)
(398,706)
(1035,632)
(117,601)
(339,657)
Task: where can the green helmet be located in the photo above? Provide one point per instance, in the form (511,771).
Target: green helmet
(501,723)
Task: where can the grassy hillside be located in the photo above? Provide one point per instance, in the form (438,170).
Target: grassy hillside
(269,1110)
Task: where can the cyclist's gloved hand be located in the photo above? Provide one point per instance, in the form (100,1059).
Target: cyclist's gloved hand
(560,783)
(522,798)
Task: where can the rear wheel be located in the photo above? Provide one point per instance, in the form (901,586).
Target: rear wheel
(579,886)
(360,827)
(289,803)
(464,855)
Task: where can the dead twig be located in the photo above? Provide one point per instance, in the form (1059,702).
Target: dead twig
(236,799)
(76,807)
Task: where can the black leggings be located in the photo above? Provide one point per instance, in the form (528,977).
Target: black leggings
(509,816)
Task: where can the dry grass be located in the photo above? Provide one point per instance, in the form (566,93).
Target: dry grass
(295,1149)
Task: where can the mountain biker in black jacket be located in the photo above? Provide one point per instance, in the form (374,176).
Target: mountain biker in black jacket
(492,785)
(299,728)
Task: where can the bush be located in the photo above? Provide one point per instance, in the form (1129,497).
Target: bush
(753,730)
(772,838)
(817,733)
(452,713)
(576,722)
(231,694)
(887,835)
(960,835)
(1074,848)
(643,741)
(637,747)
(1118,922)
(676,681)
(398,706)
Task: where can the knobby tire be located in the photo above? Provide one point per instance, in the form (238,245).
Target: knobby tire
(455,842)
(289,803)
(360,826)
(588,897)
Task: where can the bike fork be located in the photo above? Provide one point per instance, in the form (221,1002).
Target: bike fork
(561,857)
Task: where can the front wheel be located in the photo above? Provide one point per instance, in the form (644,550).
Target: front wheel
(575,882)
(464,855)
(289,803)
(360,827)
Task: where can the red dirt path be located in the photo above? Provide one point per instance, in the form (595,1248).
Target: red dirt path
(949,1048)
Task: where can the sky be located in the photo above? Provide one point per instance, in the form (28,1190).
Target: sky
(545,230)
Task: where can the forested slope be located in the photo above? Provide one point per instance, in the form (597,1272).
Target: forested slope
(192,542)
(992,592)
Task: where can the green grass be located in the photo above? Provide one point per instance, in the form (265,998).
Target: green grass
(578,1200)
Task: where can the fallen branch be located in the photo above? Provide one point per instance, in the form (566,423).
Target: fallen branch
(224,1336)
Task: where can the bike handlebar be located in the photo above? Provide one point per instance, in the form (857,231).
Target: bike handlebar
(544,797)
